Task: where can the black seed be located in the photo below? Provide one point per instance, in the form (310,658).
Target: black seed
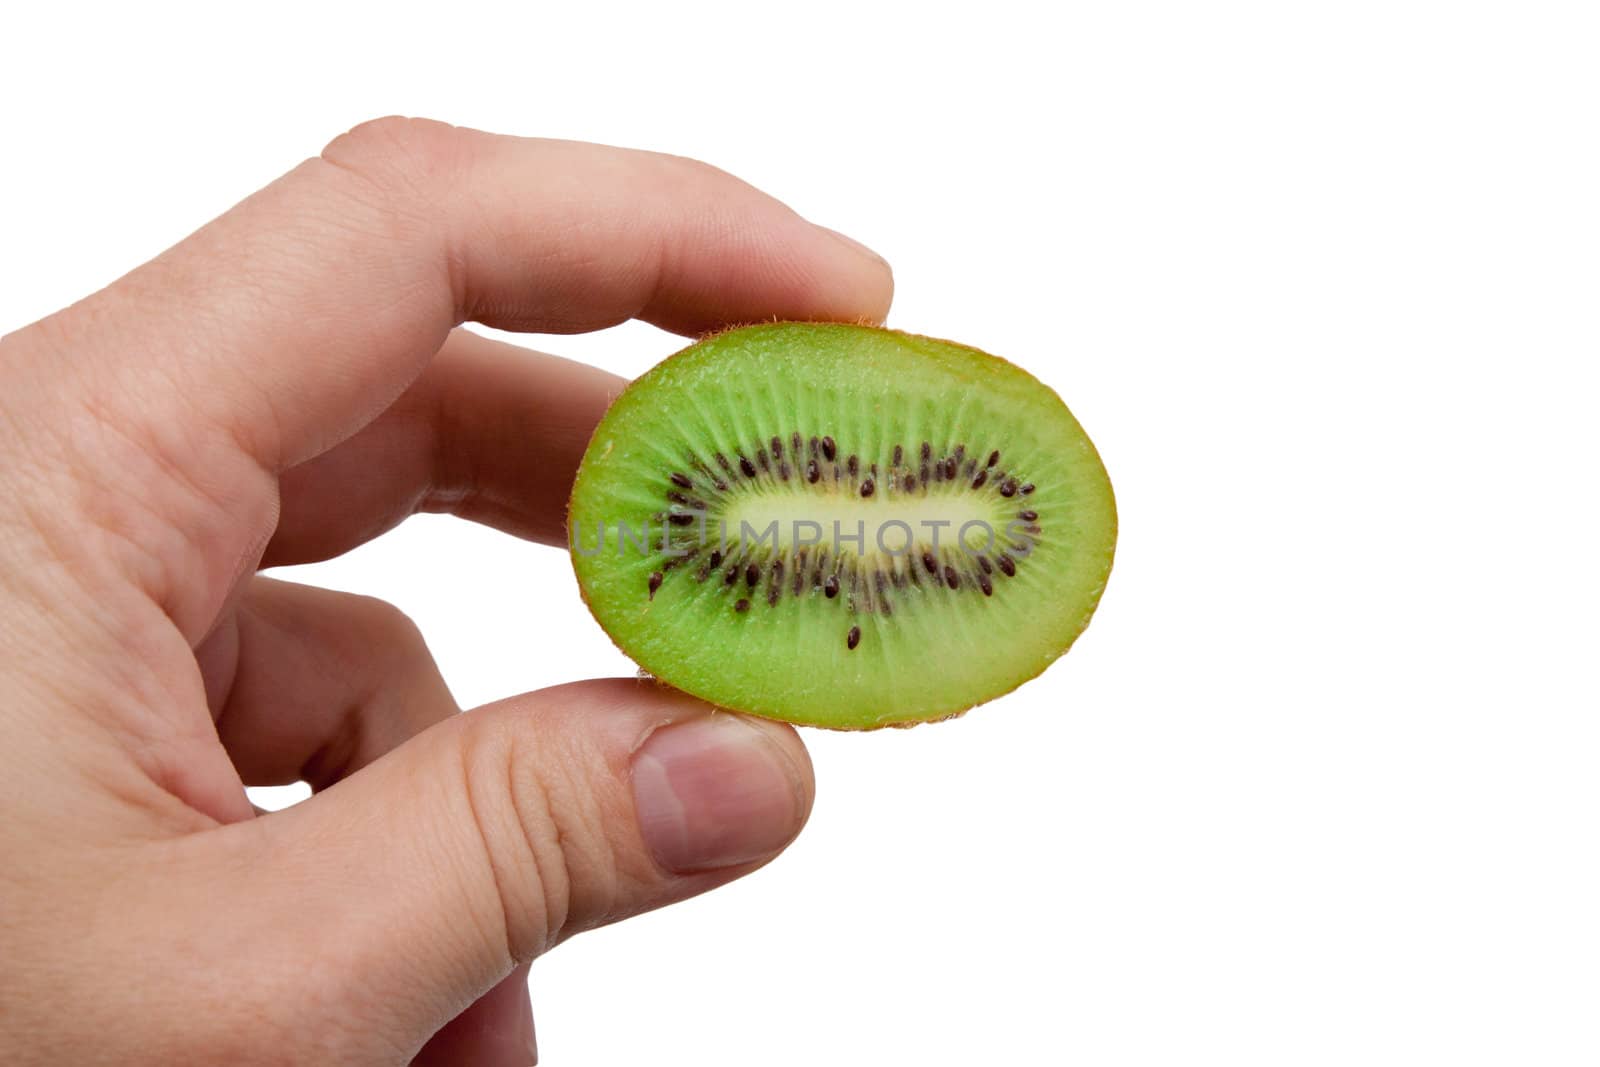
(783,470)
(1032,529)
(716,558)
(742,605)
(777,570)
(987,567)
(681,480)
(853,465)
(951,578)
(929,562)
(853,638)
(748,467)
(994,457)
(1025,490)
(899,454)
(986,585)
(812,474)
(910,482)
(829,449)
(731,576)
(800,576)
(777,448)
(1008,488)
(679,518)
(677,498)
(655,583)
(927,451)
(950,468)
(813,447)
(938,472)
(961,450)
(678,561)
(830,588)
(983,476)
(866,487)
(773,593)
(722,461)
(722,486)
(924,471)
(1008,568)
(752,575)
(1028,515)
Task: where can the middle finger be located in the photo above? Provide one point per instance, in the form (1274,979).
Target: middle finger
(491,432)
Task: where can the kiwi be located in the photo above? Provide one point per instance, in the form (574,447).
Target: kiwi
(843,526)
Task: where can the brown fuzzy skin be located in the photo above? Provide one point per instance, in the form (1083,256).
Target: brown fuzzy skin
(897,724)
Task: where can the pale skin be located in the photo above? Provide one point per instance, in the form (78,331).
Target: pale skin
(283,385)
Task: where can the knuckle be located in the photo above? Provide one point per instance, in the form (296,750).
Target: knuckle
(698,170)
(398,154)
(543,836)
(518,841)
(387,626)
(694,179)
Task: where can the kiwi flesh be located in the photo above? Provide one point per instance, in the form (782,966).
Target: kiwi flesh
(841,526)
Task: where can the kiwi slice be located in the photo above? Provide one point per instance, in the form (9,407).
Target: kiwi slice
(842,526)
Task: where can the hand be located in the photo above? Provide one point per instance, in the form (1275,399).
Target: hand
(278,388)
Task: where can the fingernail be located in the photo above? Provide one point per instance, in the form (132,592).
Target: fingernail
(851,242)
(716,791)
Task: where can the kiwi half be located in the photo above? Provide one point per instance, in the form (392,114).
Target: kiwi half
(842,526)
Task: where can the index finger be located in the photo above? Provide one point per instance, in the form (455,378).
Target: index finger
(292,320)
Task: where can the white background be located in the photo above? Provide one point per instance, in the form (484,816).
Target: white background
(1319,785)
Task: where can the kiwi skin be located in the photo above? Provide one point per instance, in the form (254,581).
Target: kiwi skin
(795,338)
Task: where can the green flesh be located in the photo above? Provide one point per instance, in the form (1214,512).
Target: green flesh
(923,650)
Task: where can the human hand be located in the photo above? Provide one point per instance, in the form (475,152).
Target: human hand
(280,387)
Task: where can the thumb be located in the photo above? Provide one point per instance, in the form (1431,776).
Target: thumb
(489,838)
